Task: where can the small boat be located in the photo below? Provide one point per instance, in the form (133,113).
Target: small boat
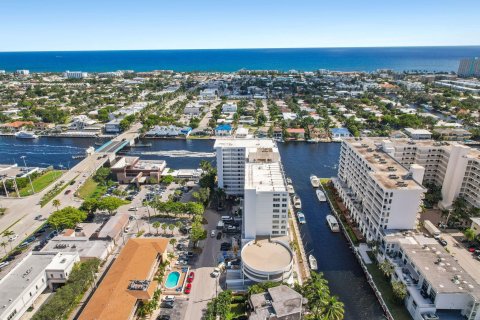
(314,181)
(313,262)
(301,218)
(333,223)
(312,140)
(142,145)
(99,144)
(78,156)
(321,196)
(290,189)
(25,135)
(289,181)
(297,203)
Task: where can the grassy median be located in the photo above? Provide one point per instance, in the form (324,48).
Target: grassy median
(91,190)
(41,182)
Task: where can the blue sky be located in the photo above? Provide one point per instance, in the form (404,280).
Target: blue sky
(46,25)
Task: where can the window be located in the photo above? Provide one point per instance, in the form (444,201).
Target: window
(284,210)
(284,205)
(276,205)
(275,216)
(276,199)
(275,221)
(274,227)
(274,232)
(276,210)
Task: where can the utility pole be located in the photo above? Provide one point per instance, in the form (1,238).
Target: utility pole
(29,178)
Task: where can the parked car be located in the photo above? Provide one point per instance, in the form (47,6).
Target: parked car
(219,235)
(38,217)
(212,233)
(191,276)
(430,316)
(443,242)
(167,305)
(13,238)
(4,264)
(68,191)
(169,299)
(215,273)
(163,317)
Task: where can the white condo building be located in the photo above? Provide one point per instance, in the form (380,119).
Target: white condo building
(252,167)
(75,74)
(380,180)
(435,281)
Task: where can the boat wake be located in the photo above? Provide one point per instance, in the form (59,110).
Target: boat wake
(176,154)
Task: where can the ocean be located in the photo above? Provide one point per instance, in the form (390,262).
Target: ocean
(444,59)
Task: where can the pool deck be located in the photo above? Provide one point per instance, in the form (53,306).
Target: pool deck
(181,281)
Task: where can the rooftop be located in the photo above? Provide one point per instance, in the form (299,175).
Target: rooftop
(244,143)
(20,277)
(385,170)
(417,131)
(112,300)
(280,300)
(264,177)
(82,245)
(266,255)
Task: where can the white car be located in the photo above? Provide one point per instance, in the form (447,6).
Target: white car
(13,238)
(212,234)
(169,298)
(215,273)
(4,264)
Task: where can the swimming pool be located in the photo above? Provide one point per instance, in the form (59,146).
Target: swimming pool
(172,280)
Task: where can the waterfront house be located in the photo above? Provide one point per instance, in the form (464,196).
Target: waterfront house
(168,131)
(453,134)
(223,130)
(229,107)
(339,133)
(296,133)
(133,170)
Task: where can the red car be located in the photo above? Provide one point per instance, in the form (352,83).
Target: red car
(188,286)
(187,289)
(191,276)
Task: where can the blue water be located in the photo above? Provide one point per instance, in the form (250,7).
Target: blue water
(172,280)
(341,59)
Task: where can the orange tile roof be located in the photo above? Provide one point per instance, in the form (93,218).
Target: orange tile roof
(18,124)
(293,130)
(112,300)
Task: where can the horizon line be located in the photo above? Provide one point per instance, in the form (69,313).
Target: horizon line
(252,48)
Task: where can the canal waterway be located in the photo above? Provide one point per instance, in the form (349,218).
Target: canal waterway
(334,256)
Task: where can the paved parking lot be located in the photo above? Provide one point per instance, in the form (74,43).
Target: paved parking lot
(465,258)
(178,311)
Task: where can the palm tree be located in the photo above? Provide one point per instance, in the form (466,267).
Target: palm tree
(333,309)
(164,227)
(469,234)
(171,227)
(56,203)
(8,233)
(387,268)
(173,241)
(4,244)
(156,225)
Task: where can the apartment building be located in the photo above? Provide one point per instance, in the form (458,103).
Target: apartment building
(75,74)
(232,154)
(380,193)
(435,281)
(469,67)
(454,167)
(26,281)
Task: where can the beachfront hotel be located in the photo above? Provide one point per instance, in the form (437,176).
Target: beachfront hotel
(381,180)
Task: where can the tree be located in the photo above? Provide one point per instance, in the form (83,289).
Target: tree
(56,203)
(387,268)
(469,234)
(171,227)
(333,309)
(399,291)
(164,227)
(67,217)
(90,205)
(156,225)
(4,244)
(168,179)
(172,242)
(197,232)
(111,204)
(101,175)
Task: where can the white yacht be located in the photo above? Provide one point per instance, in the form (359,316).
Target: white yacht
(297,203)
(321,196)
(314,181)
(301,218)
(333,223)
(290,189)
(25,135)
(313,262)
(289,181)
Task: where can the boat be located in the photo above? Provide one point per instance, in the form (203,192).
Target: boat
(297,203)
(321,196)
(313,141)
(289,181)
(142,145)
(301,218)
(314,181)
(313,262)
(290,189)
(333,223)
(25,135)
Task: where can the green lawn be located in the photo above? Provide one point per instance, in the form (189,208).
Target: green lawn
(398,311)
(41,182)
(91,190)
(237,310)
